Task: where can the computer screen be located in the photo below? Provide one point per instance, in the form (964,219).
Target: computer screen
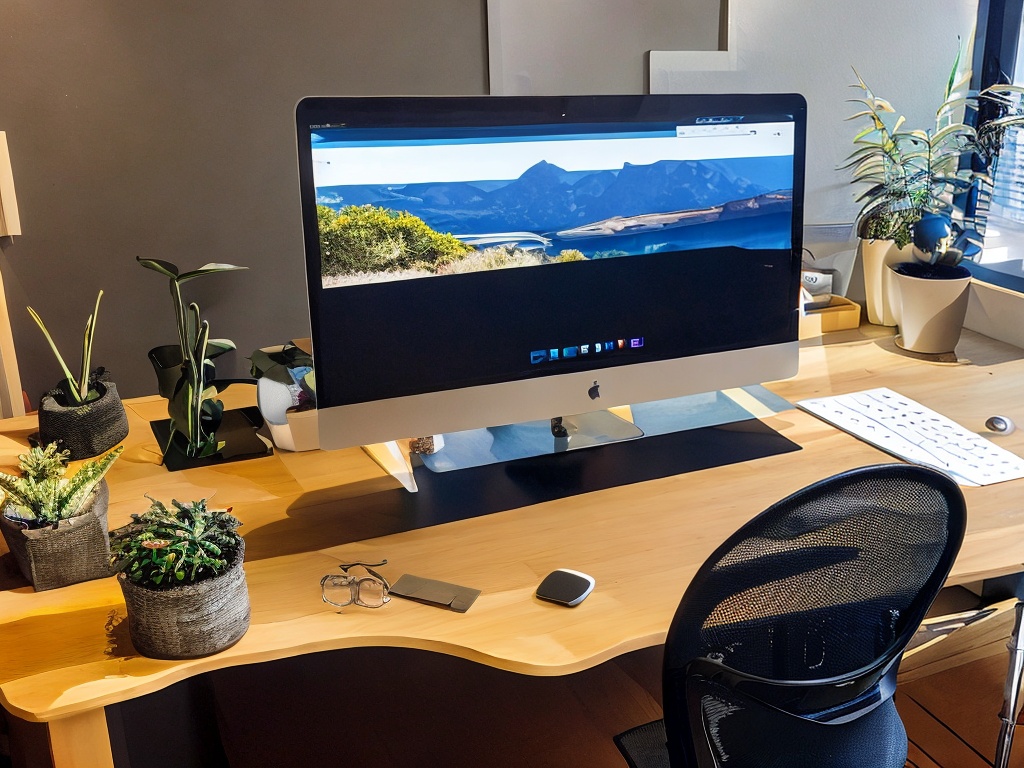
(476,261)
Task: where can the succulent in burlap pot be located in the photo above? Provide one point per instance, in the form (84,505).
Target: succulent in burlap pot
(56,526)
(82,414)
(182,578)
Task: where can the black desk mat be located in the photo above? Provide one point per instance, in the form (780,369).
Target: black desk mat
(447,496)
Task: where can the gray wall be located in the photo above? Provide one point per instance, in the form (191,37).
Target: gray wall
(165,130)
(591,46)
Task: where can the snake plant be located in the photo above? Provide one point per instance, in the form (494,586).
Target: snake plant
(78,389)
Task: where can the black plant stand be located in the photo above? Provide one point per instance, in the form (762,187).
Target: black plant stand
(237,431)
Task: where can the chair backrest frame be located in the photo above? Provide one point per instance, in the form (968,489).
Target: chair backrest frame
(831,699)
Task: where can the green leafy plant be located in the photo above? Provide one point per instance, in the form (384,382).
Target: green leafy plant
(911,172)
(79,389)
(43,495)
(368,238)
(194,408)
(163,548)
(570,254)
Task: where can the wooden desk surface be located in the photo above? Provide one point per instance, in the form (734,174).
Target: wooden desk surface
(66,652)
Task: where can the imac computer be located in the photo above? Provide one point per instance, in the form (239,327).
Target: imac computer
(482,261)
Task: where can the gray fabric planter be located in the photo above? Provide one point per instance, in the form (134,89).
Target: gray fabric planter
(189,621)
(78,549)
(85,430)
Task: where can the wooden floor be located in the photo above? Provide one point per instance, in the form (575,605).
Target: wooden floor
(952,715)
(408,708)
(952,719)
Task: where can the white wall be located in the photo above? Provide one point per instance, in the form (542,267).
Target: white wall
(904,50)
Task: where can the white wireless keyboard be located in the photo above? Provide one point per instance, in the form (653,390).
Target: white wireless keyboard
(910,431)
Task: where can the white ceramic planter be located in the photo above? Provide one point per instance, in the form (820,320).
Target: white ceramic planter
(876,257)
(290,431)
(931,309)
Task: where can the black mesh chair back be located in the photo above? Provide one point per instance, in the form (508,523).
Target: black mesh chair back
(784,649)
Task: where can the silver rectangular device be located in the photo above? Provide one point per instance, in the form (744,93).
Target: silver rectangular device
(513,402)
(481,261)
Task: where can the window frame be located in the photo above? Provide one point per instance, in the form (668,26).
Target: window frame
(997,38)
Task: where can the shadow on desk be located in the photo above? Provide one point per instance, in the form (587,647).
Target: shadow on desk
(444,497)
(10,576)
(984,352)
(388,707)
(311,524)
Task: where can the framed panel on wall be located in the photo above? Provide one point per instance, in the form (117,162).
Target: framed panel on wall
(545,47)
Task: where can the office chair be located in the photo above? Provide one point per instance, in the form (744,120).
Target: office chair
(785,646)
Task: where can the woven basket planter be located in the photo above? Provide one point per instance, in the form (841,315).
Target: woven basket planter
(78,549)
(85,430)
(189,621)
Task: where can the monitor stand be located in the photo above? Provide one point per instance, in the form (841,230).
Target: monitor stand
(503,468)
(697,430)
(445,497)
(567,433)
(585,430)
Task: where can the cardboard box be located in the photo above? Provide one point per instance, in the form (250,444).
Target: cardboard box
(841,314)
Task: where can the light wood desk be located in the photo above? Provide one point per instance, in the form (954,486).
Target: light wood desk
(642,543)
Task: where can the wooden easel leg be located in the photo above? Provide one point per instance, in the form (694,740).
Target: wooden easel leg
(11,400)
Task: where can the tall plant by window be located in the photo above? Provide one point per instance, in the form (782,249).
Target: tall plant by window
(912,176)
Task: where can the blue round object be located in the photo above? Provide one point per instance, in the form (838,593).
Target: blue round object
(930,230)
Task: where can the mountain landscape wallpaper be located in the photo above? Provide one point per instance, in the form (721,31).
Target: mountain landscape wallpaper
(376,232)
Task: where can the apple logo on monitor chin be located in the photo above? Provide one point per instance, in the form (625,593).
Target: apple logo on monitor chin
(594,391)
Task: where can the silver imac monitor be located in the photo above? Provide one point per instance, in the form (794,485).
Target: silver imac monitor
(481,261)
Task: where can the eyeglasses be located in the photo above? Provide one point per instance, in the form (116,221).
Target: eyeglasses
(344,589)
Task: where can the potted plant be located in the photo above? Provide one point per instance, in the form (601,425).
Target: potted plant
(54,525)
(182,578)
(186,372)
(916,181)
(82,414)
